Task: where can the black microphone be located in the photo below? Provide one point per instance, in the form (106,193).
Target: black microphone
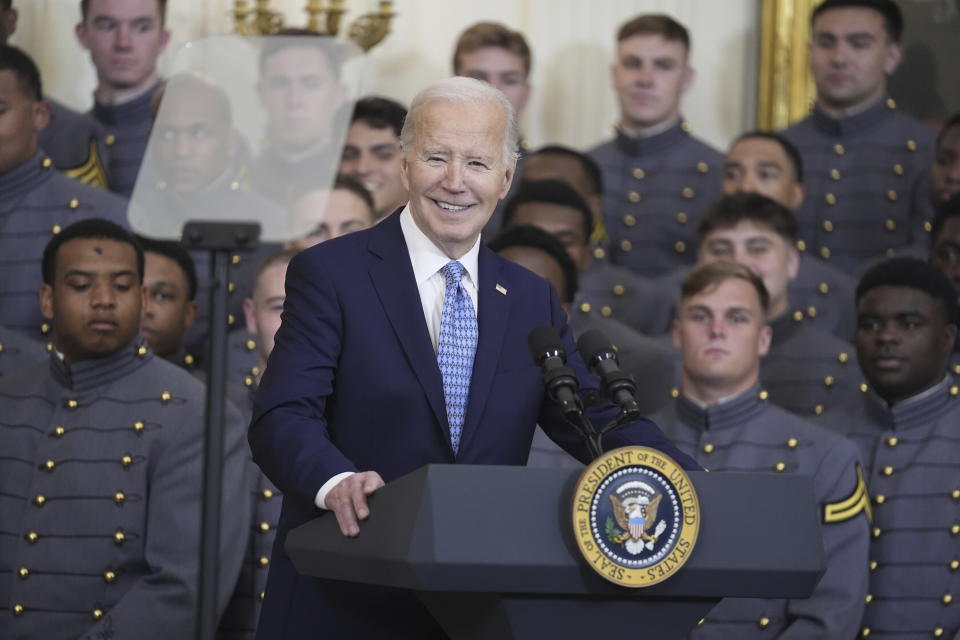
(560,381)
(601,358)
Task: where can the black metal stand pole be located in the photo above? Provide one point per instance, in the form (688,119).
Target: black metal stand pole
(221,239)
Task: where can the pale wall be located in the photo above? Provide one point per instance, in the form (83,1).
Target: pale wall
(572,42)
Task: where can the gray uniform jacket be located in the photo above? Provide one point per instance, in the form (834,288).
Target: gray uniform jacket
(100,499)
(649,361)
(825,296)
(36,202)
(862,176)
(127,127)
(18,353)
(654,192)
(747,434)
(77,145)
(807,371)
(912,456)
(615,292)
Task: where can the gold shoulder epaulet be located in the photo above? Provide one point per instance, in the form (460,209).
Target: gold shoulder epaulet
(92,171)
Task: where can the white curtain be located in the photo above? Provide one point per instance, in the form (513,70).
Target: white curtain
(572,43)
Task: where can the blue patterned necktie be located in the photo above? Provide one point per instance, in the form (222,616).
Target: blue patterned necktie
(456,347)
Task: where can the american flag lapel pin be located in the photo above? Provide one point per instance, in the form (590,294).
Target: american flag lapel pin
(502,289)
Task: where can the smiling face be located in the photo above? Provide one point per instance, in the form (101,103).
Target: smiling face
(763,250)
(721,333)
(456,171)
(501,68)
(95,300)
(760,165)
(851,56)
(649,76)
(372,157)
(903,341)
(125,38)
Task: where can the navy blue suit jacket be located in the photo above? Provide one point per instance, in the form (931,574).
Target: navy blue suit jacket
(353,385)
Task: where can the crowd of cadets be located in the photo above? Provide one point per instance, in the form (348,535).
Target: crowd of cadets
(790,306)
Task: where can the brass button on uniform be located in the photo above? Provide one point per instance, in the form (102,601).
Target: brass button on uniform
(119,537)
(97,614)
(40,500)
(165,397)
(703,167)
(250,345)
(954,565)
(818,409)
(869,598)
(892,441)
(49,465)
(33,537)
(141,351)
(606,311)
(119,497)
(234,186)
(937,632)
(708,448)
(629,220)
(231,319)
(838,149)
(780,467)
(792,443)
(955,530)
(585,307)
(267,494)
(835,174)
(264,527)
(811,311)
(17,609)
(126,461)
(873,565)
(263,594)
(109,576)
(639,173)
(946,599)
(955,494)
(599,253)
(72,404)
(674,393)
(891,103)
(619,290)
(626,245)
(263,561)
(110,139)
(827,226)
(911,145)
(830,199)
(887,471)
(865,632)
(876,532)
(798,316)
(828,381)
(138,426)
(23,572)
(863,387)
(46,163)
(236,259)
(682,217)
(633,196)
(955,390)
(763,395)
(45,328)
(825,253)
(55,229)
(679,246)
(898,169)
(248,381)
(763,623)
(255,371)
(843,358)
(801,245)
(880,498)
(687,193)
(74,203)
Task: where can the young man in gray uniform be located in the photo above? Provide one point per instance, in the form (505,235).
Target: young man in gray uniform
(101,478)
(807,371)
(650,362)
(73,140)
(124,39)
(169,307)
(36,200)
(769,164)
(723,419)
(945,255)
(657,178)
(605,290)
(863,159)
(906,429)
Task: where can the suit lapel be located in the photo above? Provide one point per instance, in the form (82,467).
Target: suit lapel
(492,325)
(396,287)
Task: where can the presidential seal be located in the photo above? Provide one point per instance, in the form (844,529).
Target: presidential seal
(635,516)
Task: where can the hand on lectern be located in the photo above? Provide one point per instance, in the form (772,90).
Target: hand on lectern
(348,500)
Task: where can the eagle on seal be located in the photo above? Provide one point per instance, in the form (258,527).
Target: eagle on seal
(636,518)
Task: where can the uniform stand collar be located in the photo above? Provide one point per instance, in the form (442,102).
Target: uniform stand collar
(90,374)
(861,122)
(135,110)
(920,410)
(26,177)
(730,413)
(637,145)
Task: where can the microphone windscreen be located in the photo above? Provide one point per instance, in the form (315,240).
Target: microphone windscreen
(592,343)
(542,340)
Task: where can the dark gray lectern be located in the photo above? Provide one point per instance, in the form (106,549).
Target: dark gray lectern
(490,552)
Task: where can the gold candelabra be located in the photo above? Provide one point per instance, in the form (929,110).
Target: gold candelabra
(323,16)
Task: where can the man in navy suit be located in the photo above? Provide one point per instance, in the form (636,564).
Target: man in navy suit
(358,390)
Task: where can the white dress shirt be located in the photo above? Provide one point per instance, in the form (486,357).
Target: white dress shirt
(427,260)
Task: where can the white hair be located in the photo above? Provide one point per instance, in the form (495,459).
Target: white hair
(465,90)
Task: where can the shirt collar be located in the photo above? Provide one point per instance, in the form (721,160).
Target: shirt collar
(427,258)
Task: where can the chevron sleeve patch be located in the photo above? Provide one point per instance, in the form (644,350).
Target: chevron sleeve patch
(850,506)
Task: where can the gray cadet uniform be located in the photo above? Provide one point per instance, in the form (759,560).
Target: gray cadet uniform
(747,434)
(911,453)
(654,192)
(76,144)
(100,499)
(862,176)
(807,371)
(239,621)
(18,353)
(127,128)
(649,361)
(616,292)
(37,201)
(825,295)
